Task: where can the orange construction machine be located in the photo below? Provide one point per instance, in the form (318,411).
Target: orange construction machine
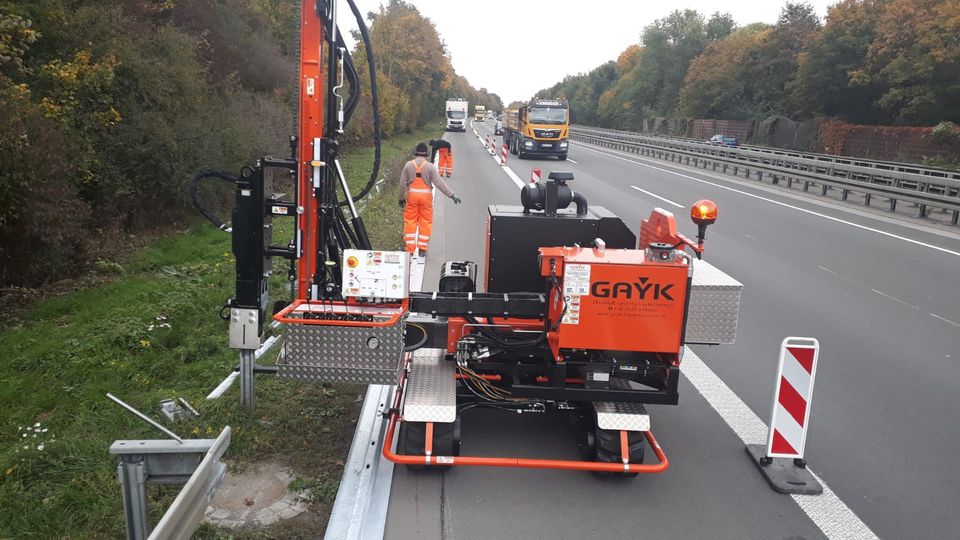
(574,314)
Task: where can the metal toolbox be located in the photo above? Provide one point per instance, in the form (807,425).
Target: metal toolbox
(714,306)
(342,354)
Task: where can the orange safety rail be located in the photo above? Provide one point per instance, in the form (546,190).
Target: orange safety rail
(527,463)
(392,313)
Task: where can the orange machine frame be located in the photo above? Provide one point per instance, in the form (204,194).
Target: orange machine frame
(311,99)
(528,463)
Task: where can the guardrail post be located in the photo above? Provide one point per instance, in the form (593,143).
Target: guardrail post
(247,396)
(133,484)
(893,205)
(824,189)
(866,199)
(956,217)
(923,211)
(844,194)
(806,185)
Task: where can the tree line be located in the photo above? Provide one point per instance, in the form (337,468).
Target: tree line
(871,62)
(109,107)
(414,72)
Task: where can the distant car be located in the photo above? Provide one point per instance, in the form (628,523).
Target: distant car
(498,129)
(724,140)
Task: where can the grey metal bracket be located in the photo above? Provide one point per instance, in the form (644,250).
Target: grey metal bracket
(194,462)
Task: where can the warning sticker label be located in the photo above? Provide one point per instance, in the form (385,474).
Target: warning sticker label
(572,313)
(576,279)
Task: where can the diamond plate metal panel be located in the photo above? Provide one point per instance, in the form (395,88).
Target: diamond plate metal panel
(622,416)
(431,394)
(714,305)
(344,354)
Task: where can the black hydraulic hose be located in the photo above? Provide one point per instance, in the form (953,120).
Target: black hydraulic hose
(195,196)
(374,98)
(505,340)
(352,77)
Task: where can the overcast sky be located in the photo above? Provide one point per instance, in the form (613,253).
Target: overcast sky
(549,39)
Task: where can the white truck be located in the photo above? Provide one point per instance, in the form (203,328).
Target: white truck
(457,114)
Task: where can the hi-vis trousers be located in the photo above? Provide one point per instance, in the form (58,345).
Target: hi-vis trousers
(418,216)
(445,163)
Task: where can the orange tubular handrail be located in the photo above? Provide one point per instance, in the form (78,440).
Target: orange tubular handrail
(392,312)
(479,461)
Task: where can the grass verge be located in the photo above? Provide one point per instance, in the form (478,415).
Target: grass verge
(153,333)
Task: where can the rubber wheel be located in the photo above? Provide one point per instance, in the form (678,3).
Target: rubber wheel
(562,157)
(446,441)
(606,448)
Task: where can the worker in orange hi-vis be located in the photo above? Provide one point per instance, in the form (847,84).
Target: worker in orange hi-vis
(416,198)
(445,164)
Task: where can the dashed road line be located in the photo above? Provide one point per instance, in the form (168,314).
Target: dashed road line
(779,203)
(664,199)
(895,299)
(944,319)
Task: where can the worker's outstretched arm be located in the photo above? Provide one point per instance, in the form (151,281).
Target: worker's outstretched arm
(436,180)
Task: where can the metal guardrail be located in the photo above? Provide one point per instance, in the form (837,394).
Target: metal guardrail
(897,166)
(923,190)
(360,509)
(193,462)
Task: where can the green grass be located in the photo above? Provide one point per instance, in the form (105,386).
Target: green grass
(150,334)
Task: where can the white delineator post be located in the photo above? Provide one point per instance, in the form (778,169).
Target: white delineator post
(535,175)
(503,155)
(791,402)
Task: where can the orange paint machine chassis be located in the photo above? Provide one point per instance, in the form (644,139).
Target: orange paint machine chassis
(615,300)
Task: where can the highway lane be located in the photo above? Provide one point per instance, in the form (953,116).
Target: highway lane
(883,425)
(885,309)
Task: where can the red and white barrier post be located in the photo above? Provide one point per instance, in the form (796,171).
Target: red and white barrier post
(503,155)
(535,175)
(781,458)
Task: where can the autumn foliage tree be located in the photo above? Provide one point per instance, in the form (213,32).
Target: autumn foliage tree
(871,61)
(108,108)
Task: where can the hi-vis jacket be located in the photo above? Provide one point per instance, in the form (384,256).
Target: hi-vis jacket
(428,173)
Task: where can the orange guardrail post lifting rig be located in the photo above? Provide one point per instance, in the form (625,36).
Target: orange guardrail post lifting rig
(574,314)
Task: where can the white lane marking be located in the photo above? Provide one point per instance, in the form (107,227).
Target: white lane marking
(825,269)
(826,510)
(748,236)
(797,208)
(895,299)
(948,321)
(664,199)
(572,161)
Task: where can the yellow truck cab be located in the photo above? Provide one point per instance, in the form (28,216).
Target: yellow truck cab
(537,128)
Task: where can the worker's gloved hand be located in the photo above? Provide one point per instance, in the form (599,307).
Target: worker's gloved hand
(456,200)
(403,203)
